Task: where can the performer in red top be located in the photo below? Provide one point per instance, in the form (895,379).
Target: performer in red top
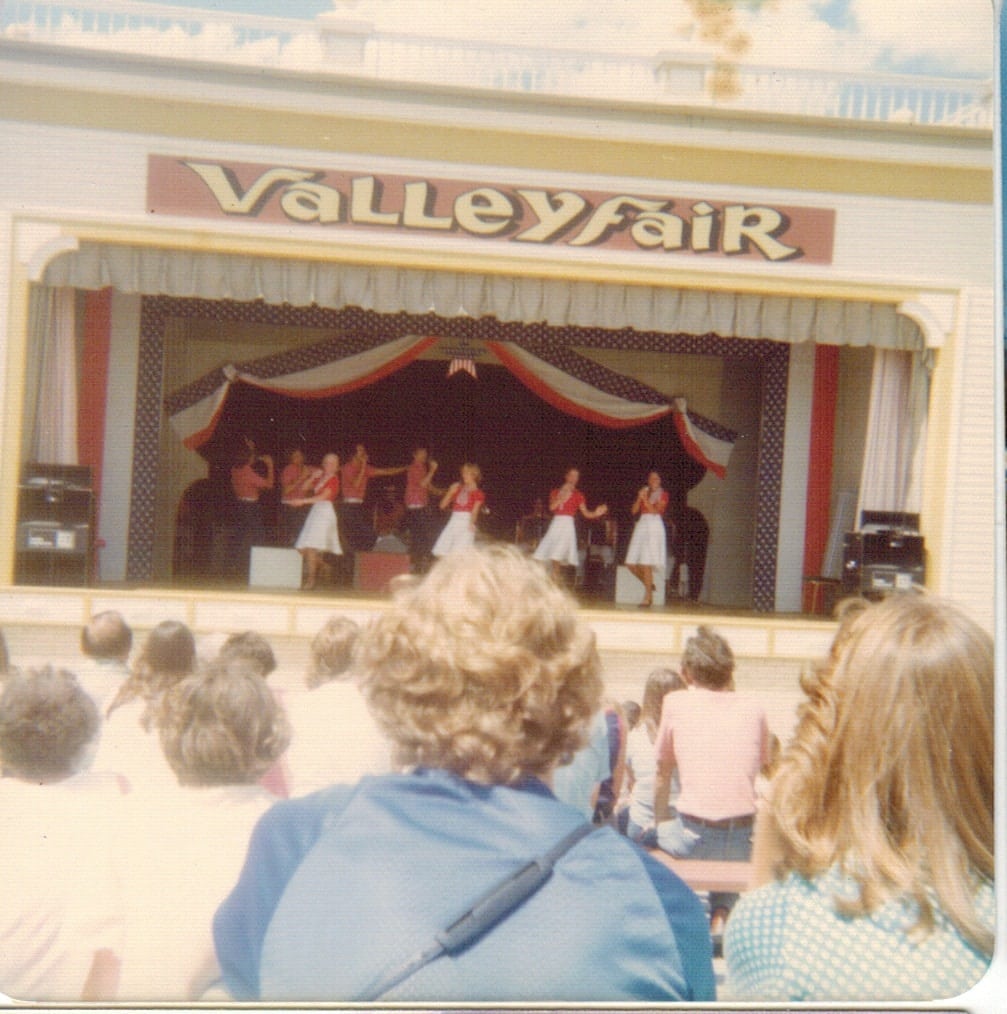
(356,473)
(320,533)
(247,485)
(420,518)
(559,544)
(648,547)
(295,480)
(466,500)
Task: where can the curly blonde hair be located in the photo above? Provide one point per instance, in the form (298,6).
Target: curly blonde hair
(890,771)
(482,668)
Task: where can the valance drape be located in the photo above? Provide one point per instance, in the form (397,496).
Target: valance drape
(558,302)
(564,378)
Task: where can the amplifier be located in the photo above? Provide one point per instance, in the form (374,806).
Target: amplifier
(881,562)
(52,537)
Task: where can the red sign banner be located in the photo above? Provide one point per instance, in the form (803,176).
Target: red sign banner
(539,216)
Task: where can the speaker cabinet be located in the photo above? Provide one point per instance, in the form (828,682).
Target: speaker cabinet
(54,541)
(877,563)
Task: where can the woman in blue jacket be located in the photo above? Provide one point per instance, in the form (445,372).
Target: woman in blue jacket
(485,680)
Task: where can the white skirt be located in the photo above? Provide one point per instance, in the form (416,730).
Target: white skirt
(559,542)
(320,530)
(649,543)
(457,535)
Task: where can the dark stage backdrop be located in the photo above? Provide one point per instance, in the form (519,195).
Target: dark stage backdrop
(522,444)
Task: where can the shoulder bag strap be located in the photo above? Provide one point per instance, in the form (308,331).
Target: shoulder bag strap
(491,908)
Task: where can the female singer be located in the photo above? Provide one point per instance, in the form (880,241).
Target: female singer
(559,544)
(466,500)
(648,549)
(294,480)
(320,533)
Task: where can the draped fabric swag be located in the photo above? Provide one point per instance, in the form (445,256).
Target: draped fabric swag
(564,378)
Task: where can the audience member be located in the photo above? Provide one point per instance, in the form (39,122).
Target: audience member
(578,781)
(129,743)
(61,931)
(641,758)
(632,711)
(611,787)
(334,737)
(767,842)
(105,642)
(485,678)
(718,740)
(250,645)
(221,729)
(884,805)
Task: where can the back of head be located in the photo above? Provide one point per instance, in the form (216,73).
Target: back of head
(170,650)
(899,740)
(332,651)
(708,660)
(47,721)
(222,726)
(252,646)
(483,668)
(107,636)
(660,682)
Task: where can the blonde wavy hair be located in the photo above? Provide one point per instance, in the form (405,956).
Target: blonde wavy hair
(890,772)
(482,668)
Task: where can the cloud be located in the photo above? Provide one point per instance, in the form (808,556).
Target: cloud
(946,36)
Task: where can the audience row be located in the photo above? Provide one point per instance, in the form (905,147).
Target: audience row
(441,804)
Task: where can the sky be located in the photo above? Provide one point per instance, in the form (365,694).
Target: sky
(944,37)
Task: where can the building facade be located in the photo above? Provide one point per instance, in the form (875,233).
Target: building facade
(817,280)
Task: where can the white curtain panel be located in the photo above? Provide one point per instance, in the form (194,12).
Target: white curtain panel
(896,432)
(53,363)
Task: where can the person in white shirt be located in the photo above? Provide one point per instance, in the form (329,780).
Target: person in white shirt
(182,850)
(61,921)
(333,736)
(105,643)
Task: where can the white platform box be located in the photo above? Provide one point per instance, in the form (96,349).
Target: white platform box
(629,590)
(274,567)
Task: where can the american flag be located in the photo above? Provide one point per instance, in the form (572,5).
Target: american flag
(462,364)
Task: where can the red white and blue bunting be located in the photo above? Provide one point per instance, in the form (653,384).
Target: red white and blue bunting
(559,375)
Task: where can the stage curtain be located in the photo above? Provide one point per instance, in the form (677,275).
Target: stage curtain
(891,476)
(51,378)
(820,452)
(321,370)
(558,302)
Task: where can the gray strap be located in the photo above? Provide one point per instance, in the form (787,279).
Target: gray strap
(492,907)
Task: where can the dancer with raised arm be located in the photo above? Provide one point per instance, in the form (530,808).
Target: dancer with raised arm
(320,533)
(466,500)
(648,546)
(559,544)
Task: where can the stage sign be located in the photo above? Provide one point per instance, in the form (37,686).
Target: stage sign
(334,199)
